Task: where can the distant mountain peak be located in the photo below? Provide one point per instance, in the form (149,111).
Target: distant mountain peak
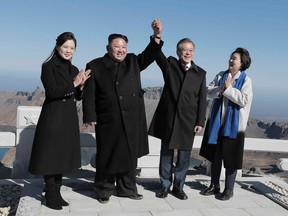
(9,101)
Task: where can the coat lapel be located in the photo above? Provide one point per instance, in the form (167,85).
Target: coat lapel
(116,70)
(110,64)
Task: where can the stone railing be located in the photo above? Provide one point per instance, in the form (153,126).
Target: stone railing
(27,118)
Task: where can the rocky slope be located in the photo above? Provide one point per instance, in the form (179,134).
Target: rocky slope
(9,101)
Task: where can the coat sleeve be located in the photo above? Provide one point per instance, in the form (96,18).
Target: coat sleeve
(78,91)
(55,90)
(149,54)
(163,63)
(89,98)
(201,114)
(214,90)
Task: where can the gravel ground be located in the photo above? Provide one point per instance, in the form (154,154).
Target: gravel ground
(9,199)
(255,163)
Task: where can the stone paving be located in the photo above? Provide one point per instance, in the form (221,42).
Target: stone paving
(251,198)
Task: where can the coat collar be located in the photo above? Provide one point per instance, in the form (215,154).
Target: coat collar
(62,66)
(109,63)
(193,66)
(112,65)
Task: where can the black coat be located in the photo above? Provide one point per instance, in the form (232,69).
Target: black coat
(115,101)
(182,105)
(56,146)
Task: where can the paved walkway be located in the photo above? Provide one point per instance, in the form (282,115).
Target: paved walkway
(251,198)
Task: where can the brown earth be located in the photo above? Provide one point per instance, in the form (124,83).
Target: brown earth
(259,163)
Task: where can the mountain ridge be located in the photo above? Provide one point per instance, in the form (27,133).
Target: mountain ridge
(9,101)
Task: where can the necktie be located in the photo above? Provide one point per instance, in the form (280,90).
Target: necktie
(185,67)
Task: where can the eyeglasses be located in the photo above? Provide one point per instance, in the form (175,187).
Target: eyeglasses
(186,50)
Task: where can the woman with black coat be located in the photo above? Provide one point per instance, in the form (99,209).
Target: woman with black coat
(56,145)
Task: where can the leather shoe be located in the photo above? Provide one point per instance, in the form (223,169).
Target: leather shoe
(180,194)
(136,196)
(103,200)
(227,194)
(163,193)
(212,189)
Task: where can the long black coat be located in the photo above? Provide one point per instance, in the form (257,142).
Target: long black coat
(56,146)
(182,105)
(115,101)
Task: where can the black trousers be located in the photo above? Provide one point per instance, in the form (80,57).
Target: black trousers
(230,174)
(104,184)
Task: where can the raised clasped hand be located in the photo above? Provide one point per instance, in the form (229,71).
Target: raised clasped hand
(157,26)
(227,82)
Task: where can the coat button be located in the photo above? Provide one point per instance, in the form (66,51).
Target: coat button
(120,97)
(133,94)
(117,83)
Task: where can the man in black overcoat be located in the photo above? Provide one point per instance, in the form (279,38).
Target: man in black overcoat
(179,115)
(113,102)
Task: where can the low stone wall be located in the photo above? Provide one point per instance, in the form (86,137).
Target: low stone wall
(7,139)
(27,118)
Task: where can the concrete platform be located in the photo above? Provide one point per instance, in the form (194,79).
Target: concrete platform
(251,198)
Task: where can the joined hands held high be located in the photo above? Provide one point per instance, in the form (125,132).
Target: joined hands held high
(157,29)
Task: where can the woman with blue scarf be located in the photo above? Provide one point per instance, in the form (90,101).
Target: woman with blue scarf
(224,135)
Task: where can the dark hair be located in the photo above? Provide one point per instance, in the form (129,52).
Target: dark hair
(60,40)
(184,40)
(115,35)
(245,58)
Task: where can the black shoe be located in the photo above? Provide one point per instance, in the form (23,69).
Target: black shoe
(52,200)
(227,194)
(180,194)
(103,200)
(163,193)
(212,189)
(60,198)
(136,196)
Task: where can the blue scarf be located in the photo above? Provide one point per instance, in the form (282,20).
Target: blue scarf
(231,120)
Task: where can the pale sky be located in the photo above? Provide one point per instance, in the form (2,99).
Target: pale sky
(29,29)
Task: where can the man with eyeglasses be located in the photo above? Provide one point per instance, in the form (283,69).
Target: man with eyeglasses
(180,114)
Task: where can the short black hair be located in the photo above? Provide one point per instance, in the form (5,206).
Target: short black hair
(115,35)
(245,58)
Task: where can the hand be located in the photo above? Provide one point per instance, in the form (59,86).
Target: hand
(85,76)
(81,78)
(91,123)
(227,82)
(198,129)
(157,27)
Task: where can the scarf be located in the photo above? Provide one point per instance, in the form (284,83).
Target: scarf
(231,120)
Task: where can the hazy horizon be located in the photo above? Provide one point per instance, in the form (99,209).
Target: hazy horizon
(265,107)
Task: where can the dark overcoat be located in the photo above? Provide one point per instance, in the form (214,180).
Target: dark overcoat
(113,97)
(56,145)
(182,105)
